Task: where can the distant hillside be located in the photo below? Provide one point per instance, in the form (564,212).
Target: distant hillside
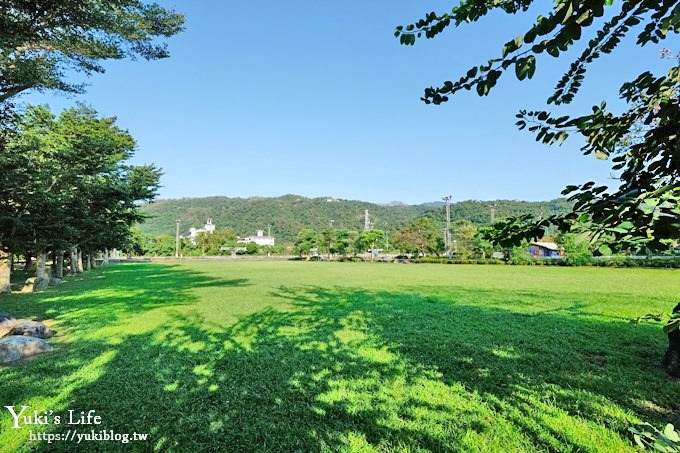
(289,214)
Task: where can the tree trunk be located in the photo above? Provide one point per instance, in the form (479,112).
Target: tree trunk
(41,265)
(59,266)
(93,262)
(106,257)
(84,262)
(74,260)
(5,271)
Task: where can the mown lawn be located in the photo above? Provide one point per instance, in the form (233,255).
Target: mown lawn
(297,356)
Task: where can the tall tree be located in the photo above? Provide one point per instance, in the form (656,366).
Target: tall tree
(212,243)
(42,40)
(306,241)
(327,241)
(464,233)
(370,239)
(644,209)
(421,237)
(66,184)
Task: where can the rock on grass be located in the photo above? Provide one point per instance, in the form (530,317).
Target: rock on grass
(17,347)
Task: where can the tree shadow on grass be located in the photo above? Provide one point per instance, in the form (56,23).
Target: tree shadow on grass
(564,345)
(103,296)
(90,319)
(352,369)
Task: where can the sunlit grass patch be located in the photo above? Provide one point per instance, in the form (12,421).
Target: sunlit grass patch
(269,356)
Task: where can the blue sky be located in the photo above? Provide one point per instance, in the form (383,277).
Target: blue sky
(319,99)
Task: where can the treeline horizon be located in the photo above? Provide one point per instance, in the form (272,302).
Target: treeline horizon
(287,215)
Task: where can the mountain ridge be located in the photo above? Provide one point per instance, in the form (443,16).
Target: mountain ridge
(288,214)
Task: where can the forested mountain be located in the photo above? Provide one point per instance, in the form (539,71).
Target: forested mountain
(289,214)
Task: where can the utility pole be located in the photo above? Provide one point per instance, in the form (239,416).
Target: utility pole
(177,238)
(447,233)
(331,236)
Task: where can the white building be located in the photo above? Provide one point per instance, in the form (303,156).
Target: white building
(259,239)
(209,227)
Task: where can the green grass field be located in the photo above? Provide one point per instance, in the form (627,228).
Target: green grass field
(299,356)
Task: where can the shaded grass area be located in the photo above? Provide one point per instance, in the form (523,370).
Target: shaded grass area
(353,357)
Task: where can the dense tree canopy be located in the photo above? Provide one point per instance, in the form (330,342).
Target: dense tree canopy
(41,40)
(65,183)
(306,241)
(642,142)
(421,237)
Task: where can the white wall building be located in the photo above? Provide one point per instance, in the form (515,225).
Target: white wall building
(259,239)
(209,227)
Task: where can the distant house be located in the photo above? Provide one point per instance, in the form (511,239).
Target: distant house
(259,239)
(545,250)
(209,227)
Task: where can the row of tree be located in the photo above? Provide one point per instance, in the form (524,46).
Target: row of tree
(221,242)
(289,214)
(65,188)
(424,236)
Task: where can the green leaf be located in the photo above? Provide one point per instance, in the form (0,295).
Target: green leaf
(601,155)
(669,431)
(638,440)
(509,47)
(493,76)
(531,61)
(525,67)
(519,41)
(605,250)
(569,10)
(660,445)
(482,88)
(552,50)
(530,36)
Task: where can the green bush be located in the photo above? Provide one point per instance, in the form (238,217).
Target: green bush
(444,260)
(648,437)
(623,261)
(350,259)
